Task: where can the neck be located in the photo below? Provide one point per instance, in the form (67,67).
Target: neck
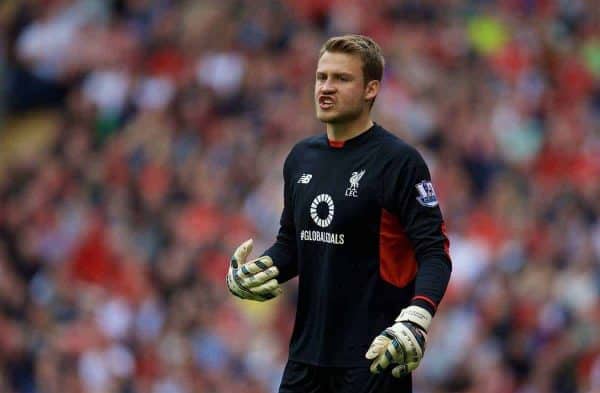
(345,131)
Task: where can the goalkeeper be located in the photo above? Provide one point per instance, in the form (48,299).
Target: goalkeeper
(362,230)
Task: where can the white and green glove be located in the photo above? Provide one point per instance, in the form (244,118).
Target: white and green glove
(402,344)
(252,280)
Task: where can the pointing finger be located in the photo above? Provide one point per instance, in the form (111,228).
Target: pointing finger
(241,253)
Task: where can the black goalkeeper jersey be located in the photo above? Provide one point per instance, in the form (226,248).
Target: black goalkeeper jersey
(362,229)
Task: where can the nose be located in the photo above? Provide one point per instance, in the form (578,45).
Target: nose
(327,86)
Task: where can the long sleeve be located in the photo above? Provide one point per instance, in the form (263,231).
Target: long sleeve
(284,250)
(411,197)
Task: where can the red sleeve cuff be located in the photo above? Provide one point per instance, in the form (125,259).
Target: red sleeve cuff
(425,302)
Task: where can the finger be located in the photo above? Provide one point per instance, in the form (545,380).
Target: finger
(377,347)
(269,295)
(397,351)
(386,358)
(260,278)
(265,288)
(379,364)
(241,253)
(411,348)
(400,370)
(380,344)
(237,291)
(278,291)
(393,353)
(403,369)
(255,266)
(376,352)
(235,287)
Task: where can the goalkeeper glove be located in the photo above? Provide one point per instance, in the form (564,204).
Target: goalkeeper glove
(402,344)
(252,280)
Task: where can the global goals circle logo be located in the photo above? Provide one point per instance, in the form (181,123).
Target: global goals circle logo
(318,205)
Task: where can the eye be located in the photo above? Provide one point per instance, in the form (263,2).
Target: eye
(344,77)
(321,77)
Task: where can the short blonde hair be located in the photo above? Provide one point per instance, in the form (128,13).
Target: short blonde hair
(363,46)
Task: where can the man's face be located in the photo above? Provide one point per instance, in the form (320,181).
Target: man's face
(340,91)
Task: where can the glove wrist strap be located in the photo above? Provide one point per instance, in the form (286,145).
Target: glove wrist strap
(417,315)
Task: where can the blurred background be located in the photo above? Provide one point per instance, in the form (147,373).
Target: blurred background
(142,140)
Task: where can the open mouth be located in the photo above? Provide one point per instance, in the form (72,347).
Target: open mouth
(326,102)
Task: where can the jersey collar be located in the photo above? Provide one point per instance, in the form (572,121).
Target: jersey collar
(356,141)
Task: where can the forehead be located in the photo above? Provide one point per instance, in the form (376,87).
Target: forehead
(340,62)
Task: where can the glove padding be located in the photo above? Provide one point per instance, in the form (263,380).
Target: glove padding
(252,280)
(402,344)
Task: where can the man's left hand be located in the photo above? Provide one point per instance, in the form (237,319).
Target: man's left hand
(402,344)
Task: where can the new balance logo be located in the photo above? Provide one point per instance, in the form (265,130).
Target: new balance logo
(305,178)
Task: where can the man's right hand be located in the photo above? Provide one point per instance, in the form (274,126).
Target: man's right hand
(252,280)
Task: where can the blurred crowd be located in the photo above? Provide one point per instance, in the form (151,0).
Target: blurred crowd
(169,124)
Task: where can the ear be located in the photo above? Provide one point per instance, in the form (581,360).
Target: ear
(372,89)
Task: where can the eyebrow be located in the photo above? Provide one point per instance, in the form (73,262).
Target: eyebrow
(335,73)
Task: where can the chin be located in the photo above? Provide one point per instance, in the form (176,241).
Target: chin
(327,117)
(335,118)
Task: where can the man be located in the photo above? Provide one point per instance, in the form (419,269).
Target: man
(362,230)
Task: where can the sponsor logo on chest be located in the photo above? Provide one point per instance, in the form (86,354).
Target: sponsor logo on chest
(322,211)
